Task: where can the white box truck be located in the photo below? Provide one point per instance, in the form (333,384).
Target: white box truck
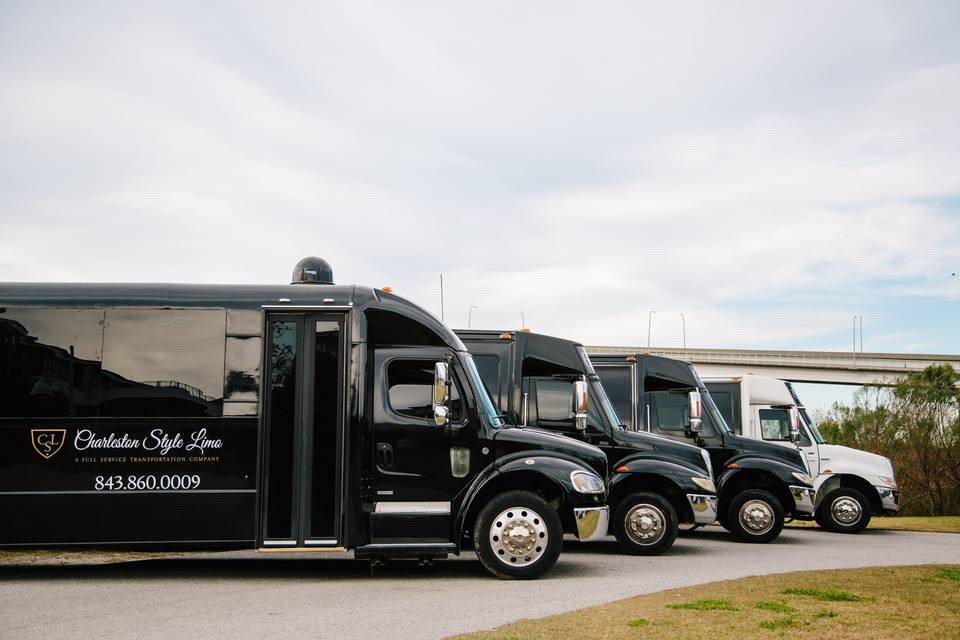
(851,484)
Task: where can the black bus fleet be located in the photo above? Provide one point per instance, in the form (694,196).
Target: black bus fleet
(758,483)
(307,416)
(655,484)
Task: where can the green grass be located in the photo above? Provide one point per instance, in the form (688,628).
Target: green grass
(879,602)
(706,604)
(780,623)
(826,595)
(935,524)
(776,607)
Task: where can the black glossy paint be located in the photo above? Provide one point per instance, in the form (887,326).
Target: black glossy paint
(95,419)
(523,356)
(723,446)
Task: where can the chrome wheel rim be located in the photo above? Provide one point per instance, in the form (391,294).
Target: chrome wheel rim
(518,536)
(845,510)
(756,517)
(645,524)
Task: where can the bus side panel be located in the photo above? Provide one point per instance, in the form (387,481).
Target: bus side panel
(127,481)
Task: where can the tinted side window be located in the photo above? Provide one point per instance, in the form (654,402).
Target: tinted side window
(616,381)
(669,411)
(410,390)
(774,424)
(50,362)
(551,405)
(163,362)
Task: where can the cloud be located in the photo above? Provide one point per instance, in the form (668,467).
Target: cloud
(762,169)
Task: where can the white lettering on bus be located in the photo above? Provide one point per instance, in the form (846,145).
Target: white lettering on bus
(87,439)
(200,441)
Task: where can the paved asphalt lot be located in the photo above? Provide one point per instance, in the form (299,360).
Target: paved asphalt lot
(249,595)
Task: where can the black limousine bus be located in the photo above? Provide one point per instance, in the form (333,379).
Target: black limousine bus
(307,416)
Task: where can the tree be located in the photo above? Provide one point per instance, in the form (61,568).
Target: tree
(916,424)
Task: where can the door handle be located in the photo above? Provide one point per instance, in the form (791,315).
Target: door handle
(385,455)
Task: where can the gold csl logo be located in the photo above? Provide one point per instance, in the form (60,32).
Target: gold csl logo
(47,442)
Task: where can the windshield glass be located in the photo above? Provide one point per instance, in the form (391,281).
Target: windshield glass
(811,425)
(600,399)
(485,404)
(597,392)
(707,401)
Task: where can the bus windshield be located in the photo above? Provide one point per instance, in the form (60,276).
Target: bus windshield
(485,404)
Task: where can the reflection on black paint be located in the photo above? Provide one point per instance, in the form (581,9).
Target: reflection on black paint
(50,362)
(283,395)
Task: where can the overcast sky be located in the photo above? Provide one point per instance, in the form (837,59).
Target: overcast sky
(767,169)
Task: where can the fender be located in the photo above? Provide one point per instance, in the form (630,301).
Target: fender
(676,472)
(781,470)
(553,468)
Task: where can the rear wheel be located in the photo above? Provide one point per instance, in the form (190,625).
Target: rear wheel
(844,510)
(518,535)
(645,524)
(755,515)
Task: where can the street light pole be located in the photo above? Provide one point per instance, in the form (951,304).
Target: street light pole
(470,314)
(649,326)
(683,319)
(523,322)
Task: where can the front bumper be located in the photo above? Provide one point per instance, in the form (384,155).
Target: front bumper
(704,507)
(889,500)
(592,522)
(803,499)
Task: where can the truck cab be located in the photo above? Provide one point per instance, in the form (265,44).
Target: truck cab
(548,383)
(758,483)
(851,484)
(305,416)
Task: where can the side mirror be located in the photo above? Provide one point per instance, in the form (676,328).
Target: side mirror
(794,425)
(580,405)
(441,392)
(696,409)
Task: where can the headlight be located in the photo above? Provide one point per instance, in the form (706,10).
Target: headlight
(802,477)
(888,481)
(704,483)
(585,482)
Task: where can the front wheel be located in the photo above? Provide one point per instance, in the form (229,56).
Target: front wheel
(518,535)
(844,510)
(755,515)
(645,524)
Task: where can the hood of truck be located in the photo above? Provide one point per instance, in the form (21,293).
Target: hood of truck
(789,455)
(668,448)
(516,439)
(835,455)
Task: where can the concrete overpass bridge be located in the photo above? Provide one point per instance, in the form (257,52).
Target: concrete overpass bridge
(833,367)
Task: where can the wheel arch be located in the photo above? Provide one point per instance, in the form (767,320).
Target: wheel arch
(626,484)
(734,481)
(850,481)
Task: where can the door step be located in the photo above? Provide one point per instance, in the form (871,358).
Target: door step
(400,548)
(413,525)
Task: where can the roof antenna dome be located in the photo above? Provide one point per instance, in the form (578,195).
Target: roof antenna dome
(312,270)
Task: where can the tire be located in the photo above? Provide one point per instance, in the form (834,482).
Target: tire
(645,524)
(844,510)
(755,515)
(537,536)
